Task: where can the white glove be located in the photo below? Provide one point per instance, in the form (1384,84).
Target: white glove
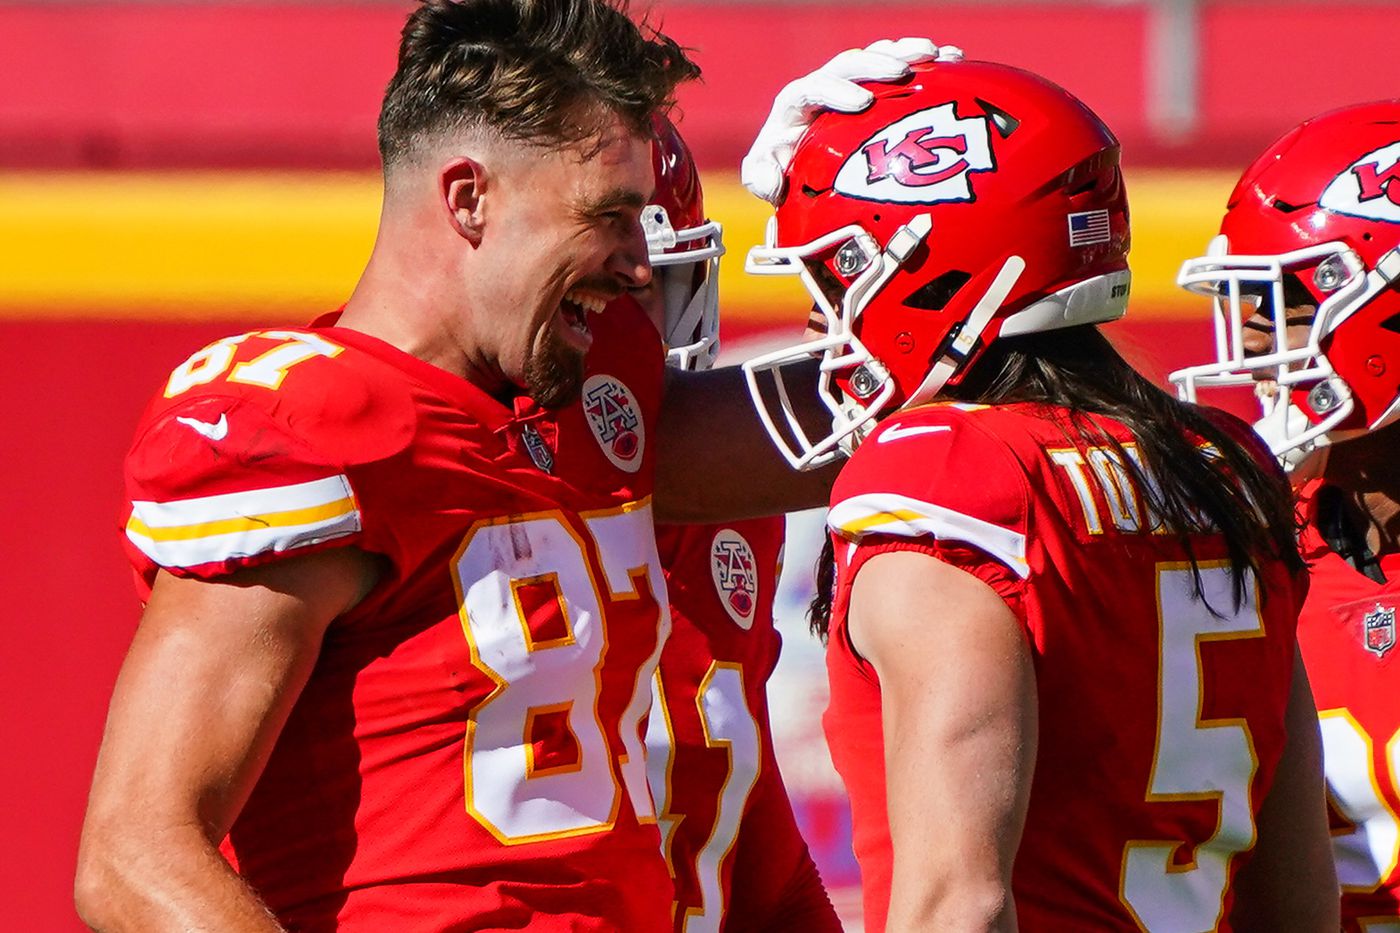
(831,87)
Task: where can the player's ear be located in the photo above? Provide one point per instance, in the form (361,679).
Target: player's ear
(461,185)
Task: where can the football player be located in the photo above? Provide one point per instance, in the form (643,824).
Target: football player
(401,619)
(1060,620)
(727,827)
(1305,277)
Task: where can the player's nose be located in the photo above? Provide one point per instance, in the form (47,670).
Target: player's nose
(629,263)
(1258,337)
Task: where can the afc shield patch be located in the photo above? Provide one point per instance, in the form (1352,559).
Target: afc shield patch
(1368,188)
(615,420)
(925,158)
(735,573)
(1378,628)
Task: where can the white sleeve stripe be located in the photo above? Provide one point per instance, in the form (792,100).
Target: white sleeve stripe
(902,516)
(214,529)
(181,513)
(244,543)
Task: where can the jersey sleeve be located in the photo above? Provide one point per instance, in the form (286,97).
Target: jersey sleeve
(935,479)
(224,476)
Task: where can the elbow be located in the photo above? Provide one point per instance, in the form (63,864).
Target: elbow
(103,883)
(93,887)
(988,909)
(969,906)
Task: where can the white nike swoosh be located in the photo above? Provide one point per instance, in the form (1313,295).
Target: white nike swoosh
(894,432)
(215,432)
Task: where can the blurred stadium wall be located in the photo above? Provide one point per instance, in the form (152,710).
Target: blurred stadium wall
(173,171)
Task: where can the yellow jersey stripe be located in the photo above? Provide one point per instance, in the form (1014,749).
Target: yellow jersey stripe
(291,518)
(906,517)
(862,525)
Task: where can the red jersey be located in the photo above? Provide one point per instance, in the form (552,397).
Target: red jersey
(1347,633)
(1154,757)
(728,830)
(467,753)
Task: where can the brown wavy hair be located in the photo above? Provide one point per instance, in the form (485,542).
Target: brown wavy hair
(1220,486)
(536,71)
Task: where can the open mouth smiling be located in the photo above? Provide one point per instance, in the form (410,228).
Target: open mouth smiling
(574,309)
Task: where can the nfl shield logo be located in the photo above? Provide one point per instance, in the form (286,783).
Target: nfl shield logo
(1379,626)
(615,420)
(537,448)
(735,572)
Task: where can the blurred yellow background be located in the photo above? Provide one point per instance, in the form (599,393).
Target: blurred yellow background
(208,245)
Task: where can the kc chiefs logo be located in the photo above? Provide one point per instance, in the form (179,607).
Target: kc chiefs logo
(613,417)
(1369,187)
(735,573)
(925,158)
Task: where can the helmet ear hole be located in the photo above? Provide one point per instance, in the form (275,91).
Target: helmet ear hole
(1391,324)
(935,294)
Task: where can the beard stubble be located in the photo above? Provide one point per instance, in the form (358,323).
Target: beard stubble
(554,374)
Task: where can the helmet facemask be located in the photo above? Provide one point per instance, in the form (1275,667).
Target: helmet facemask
(685,264)
(853,385)
(1313,221)
(1305,404)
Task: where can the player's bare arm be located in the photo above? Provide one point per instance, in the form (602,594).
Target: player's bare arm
(715,461)
(204,691)
(959,714)
(1290,884)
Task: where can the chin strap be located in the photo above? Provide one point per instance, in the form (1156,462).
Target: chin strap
(963,342)
(1302,462)
(900,247)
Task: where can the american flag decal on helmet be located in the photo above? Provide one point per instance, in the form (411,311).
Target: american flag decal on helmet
(1088,228)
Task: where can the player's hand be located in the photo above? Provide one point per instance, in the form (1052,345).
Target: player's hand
(833,86)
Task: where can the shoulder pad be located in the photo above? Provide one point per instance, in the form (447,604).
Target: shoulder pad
(934,472)
(231,465)
(342,403)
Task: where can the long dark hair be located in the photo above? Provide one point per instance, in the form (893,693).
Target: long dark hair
(1078,370)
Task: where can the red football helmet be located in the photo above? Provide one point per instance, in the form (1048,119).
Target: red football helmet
(970,201)
(684,247)
(1315,220)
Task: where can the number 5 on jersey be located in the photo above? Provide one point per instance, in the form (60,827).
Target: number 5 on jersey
(1195,759)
